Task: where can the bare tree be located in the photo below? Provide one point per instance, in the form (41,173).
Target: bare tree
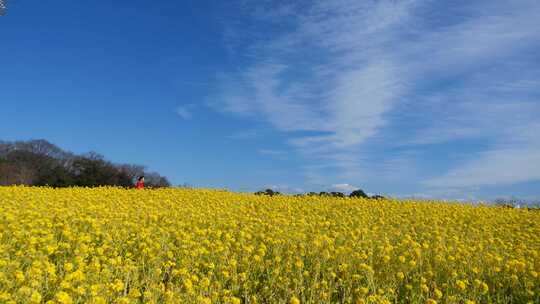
(133,171)
(38,162)
(36,146)
(153,179)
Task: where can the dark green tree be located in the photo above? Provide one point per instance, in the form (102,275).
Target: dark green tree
(93,171)
(358,193)
(268,192)
(337,194)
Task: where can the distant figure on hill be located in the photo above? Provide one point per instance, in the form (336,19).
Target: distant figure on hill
(140,183)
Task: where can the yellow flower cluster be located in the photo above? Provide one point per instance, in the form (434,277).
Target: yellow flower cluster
(109,245)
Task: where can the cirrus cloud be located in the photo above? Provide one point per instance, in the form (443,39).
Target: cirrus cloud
(338,77)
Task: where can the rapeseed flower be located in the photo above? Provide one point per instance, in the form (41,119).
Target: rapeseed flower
(110,245)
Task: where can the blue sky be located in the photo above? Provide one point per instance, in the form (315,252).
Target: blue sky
(405,98)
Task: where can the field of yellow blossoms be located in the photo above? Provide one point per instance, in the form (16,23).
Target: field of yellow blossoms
(109,245)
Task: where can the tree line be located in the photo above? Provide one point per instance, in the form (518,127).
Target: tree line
(356,193)
(41,163)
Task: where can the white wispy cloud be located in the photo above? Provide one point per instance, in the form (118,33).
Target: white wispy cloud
(185,111)
(344,188)
(514,157)
(342,99)
(349,72)
(493,167)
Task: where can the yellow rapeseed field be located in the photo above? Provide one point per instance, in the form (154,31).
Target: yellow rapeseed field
(109,245)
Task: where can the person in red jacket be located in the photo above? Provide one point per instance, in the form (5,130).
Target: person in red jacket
(140,183)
